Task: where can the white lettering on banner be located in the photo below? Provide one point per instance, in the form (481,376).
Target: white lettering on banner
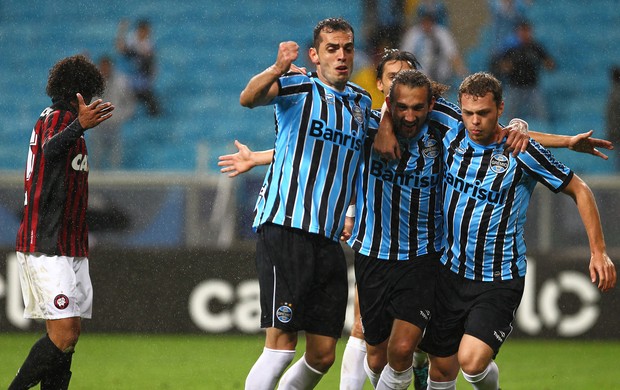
(245,314)
(244,303)
(551,316)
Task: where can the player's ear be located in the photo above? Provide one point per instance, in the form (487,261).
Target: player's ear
(314,56)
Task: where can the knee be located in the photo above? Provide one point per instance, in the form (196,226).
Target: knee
(401,350)
(321,361)
(376,363)
(65,340)
(473,364)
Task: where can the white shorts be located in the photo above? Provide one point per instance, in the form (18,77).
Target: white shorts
(55,287)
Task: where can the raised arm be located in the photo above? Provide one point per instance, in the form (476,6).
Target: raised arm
(263,87)
(601,267)
(244,160)
(582,142)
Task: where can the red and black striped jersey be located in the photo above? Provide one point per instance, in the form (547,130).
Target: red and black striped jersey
(56,186)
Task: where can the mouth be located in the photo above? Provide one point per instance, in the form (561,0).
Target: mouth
(342,69)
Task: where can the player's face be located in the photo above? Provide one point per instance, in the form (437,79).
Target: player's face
(410,108)
(334,58)
(390,69)
(481,117)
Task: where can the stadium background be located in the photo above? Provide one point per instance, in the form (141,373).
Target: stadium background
(172,248)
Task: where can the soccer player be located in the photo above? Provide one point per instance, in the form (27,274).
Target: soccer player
(485,199)
(52,242)
(321,123)
(397,235)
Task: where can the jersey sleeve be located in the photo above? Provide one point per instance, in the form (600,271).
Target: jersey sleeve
(61,131)
(541,165)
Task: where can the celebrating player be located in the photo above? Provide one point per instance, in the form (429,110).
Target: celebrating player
(321,124)
(52,242)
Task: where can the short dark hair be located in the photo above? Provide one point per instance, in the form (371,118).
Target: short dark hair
(481,83)
(396,55)
(330,25)
(411,78)
(73,75)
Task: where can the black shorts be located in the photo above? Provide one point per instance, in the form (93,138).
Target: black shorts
(303,281)
(394,289)
(484,310)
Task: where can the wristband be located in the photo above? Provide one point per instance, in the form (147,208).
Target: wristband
(351,211)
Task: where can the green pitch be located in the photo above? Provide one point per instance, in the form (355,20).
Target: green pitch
(111,361)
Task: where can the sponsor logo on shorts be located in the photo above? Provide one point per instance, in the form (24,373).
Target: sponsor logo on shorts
(61,301)
(499,335)
(426,314)
(284,314)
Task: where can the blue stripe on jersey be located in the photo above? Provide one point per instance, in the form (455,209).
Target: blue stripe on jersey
(319,142)
(486,196)
(398,209)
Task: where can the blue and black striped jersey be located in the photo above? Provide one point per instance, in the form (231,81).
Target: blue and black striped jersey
(486,195)
(319,143)
(398,205)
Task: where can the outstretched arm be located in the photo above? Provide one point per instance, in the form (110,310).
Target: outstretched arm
(582,142)
(601,267)
(262,88)
(243,160)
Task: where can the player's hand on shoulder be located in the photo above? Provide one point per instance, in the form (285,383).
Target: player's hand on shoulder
(517,136)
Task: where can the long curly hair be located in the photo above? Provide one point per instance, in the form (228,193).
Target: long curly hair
(72,75)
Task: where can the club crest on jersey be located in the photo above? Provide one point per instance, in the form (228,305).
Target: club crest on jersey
(358,114)
(431,148)
(499,163)
(284,314)
(329,98)
(61,301)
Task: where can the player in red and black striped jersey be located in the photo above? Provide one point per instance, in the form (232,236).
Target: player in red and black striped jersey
(52,242)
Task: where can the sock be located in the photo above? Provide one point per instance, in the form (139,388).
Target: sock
(300,376)
(486,380)
(44,358)
(395,380)
(352,374)
(268,369)
(373,376)
(420,359)
(441,385)
(59,379)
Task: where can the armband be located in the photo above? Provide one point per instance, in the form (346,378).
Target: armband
(351,211)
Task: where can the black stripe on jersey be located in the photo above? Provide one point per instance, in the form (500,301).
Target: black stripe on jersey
(378,212)
(548,161)
(467,212)
(333,165)
(365,180)
(299,152)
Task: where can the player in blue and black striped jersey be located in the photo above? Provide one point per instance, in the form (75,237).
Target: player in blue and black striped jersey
(321,122)
(485,198)
(397,234)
